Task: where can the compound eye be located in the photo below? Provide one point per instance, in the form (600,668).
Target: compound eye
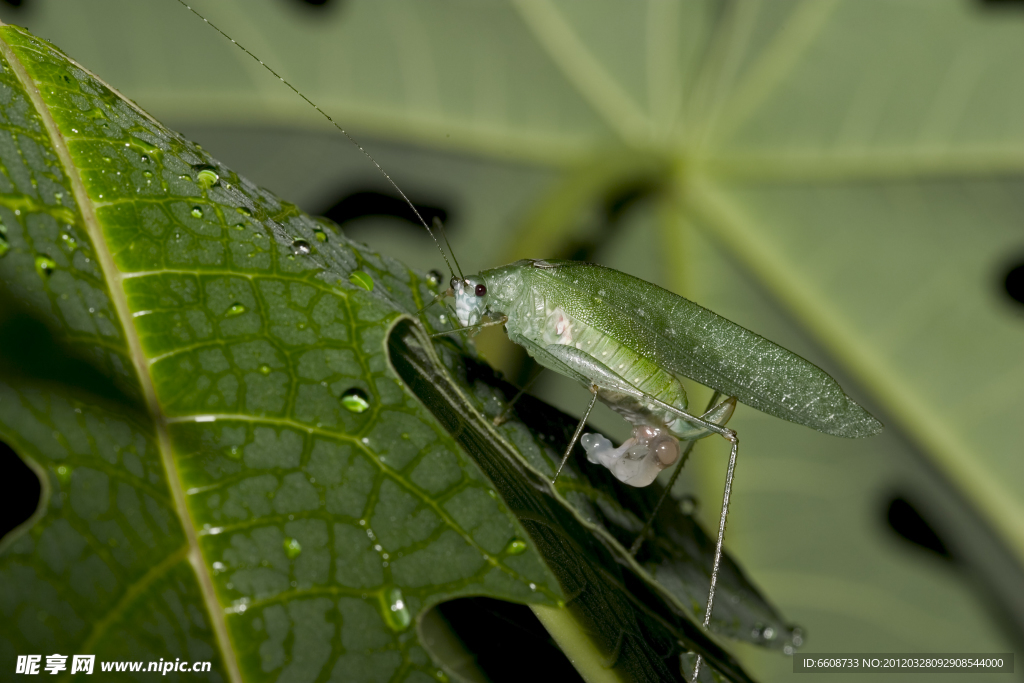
(481,290)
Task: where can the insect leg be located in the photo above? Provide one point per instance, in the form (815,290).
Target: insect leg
(671,482)
(721,535)
(734,440)
(500,420)
(576,435)
(500,321)
(438,298)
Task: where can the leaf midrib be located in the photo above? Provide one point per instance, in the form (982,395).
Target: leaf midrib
(115,288)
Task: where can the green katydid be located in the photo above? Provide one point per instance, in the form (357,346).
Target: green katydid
(630,343)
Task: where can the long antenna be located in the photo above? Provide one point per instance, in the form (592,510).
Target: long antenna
(343,132)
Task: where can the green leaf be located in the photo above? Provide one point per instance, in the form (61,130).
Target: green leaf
(219,495)
(249,450)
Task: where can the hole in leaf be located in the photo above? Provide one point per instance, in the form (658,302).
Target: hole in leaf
(1000,4)
(1013,283)
(369,203)
(19,494)
(907,522)
(477,638)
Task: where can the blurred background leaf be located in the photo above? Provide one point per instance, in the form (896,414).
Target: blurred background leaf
(842,177)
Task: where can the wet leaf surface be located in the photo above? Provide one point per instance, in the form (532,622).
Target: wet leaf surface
(250,452)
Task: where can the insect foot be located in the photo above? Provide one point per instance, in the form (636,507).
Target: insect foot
(639,459)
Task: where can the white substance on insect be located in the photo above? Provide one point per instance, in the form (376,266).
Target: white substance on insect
(558,328)
(639,460)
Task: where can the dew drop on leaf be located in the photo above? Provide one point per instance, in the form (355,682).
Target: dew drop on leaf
(361,279)
(434,277)
(264,369)
(355,400)
(235,309)
(396,614)
(197,212)
(45,265)
(301,247)
(64,473)
(244,211)
(69,241)
(206,175)
(234,452)
(515,547)
(321,236)
(292,548)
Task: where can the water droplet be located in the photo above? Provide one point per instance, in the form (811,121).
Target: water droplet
(147,174)
(292,548)
(264,369)
(218,567)
(361,279)
(4,244)
(355,400)
(235,309)
(69,241)
(321,236)
(533,586)
(235,452)
(687,505)
(244,211)
(45,265)
(144,158)
(515,547)
(63,473)
(301,247)
(396,614)
(197,212)
(206,175)
(434,277)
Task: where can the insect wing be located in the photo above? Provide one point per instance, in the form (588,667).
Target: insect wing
(691,341)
